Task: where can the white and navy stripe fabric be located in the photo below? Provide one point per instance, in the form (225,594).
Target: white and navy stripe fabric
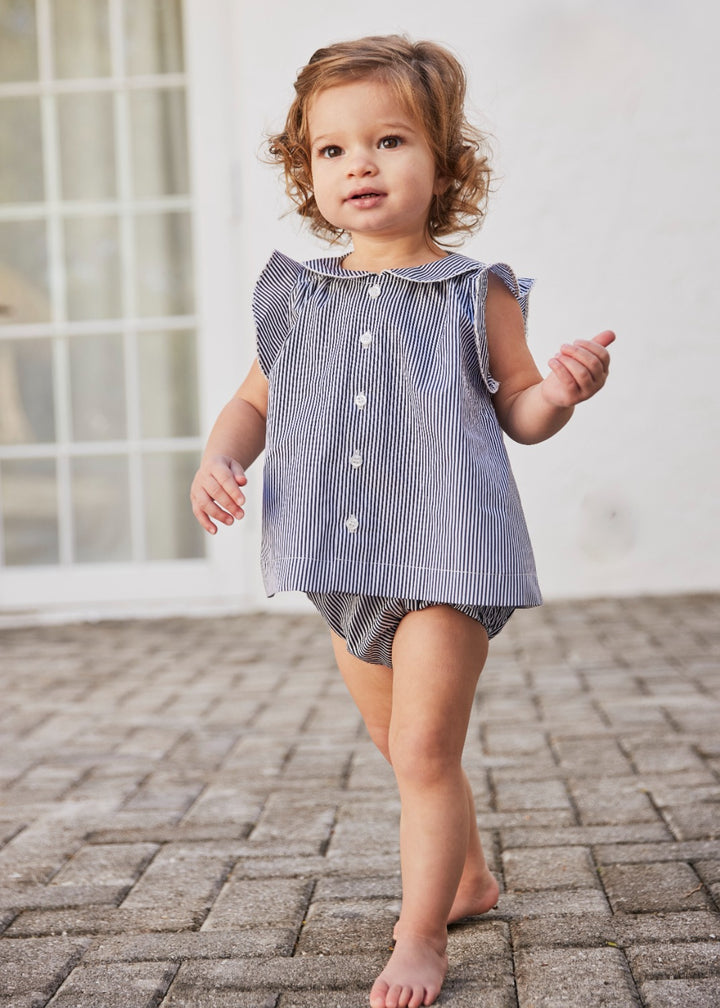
(385,468)
(367,623)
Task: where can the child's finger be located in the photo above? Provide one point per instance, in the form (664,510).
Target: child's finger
(582,373)
(604,338)
(221,485)
(594,356)
(201,509)
(561,370)
(238,473)
(228,493)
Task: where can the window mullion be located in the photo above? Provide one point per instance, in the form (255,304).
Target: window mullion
(128,272)
(56,279)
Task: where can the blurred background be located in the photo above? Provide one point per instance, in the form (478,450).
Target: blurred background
(136,212)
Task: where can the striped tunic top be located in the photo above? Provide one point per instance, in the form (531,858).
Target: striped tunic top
(385,468)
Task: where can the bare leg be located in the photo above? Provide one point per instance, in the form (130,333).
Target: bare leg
(478,890)
(438,655)
(371,688)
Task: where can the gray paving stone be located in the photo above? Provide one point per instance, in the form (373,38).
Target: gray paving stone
(574,978)
(304,824)
(513,906)
(515,741)
(377,832)
(552,868)
(115,985)
(352,927)
(176,947)
(547,794)
(294,973)
(50,897)
(367,887)
(223,802)
(615,800)
(647,888)
(704,993)
(245,903)
(636,853)
(181,877)
(100,920)
(592,757)
(32,970)
(559,929)
(324,999)
(654,756)
(528,819)
(562,929)
(205,997)
(694,822)
(689,926)
(107,864)
(564,835)
(666,960)
(37,852)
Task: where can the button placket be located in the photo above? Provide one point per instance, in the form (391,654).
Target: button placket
(361,399)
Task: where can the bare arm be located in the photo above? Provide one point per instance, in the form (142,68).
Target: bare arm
(531,408)
(236,440)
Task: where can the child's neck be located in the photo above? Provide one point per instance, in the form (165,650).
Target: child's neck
(374,256)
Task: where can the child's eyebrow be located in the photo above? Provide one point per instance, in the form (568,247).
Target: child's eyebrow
(403,126)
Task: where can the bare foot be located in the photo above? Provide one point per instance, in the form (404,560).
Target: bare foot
(413,976)
(474,898)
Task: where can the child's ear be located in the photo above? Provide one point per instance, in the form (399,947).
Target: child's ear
(442,184)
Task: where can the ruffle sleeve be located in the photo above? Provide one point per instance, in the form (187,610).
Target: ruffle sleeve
(520,287)
(273,306)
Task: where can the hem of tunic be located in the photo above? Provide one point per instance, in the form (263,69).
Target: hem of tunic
(517,588)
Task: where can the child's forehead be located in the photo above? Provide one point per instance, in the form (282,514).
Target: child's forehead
(366,98)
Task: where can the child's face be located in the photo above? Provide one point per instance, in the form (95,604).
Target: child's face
(372,168)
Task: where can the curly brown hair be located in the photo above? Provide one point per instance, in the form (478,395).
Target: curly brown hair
(430,83)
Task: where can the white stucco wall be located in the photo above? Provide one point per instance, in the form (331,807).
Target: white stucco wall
(607,152)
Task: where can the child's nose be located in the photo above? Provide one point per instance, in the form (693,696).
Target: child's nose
(361,164)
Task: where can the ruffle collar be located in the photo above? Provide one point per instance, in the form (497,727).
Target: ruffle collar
(450,266)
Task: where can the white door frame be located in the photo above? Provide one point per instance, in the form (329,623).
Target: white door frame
(229,576)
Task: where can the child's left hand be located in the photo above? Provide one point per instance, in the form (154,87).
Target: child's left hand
(578,370)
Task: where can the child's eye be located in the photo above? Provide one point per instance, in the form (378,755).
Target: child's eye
(389,143)
(331,151)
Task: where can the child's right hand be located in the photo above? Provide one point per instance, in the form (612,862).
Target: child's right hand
(215,492)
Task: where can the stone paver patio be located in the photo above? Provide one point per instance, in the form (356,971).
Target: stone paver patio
(192,815)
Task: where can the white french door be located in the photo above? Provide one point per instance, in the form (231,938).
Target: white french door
(100,374)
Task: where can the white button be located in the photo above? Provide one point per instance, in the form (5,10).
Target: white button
(351,523)
(374,291)
(356,460)
(366,339)
(360,400)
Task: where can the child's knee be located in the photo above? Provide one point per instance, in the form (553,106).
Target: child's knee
(422,756)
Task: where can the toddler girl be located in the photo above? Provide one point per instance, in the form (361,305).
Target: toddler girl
(383,383)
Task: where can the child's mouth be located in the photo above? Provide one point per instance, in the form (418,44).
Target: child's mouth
(366,199)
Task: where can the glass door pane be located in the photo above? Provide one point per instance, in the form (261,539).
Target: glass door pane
(99,429)
(18,41)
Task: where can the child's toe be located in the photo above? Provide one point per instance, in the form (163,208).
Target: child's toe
(379,994)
